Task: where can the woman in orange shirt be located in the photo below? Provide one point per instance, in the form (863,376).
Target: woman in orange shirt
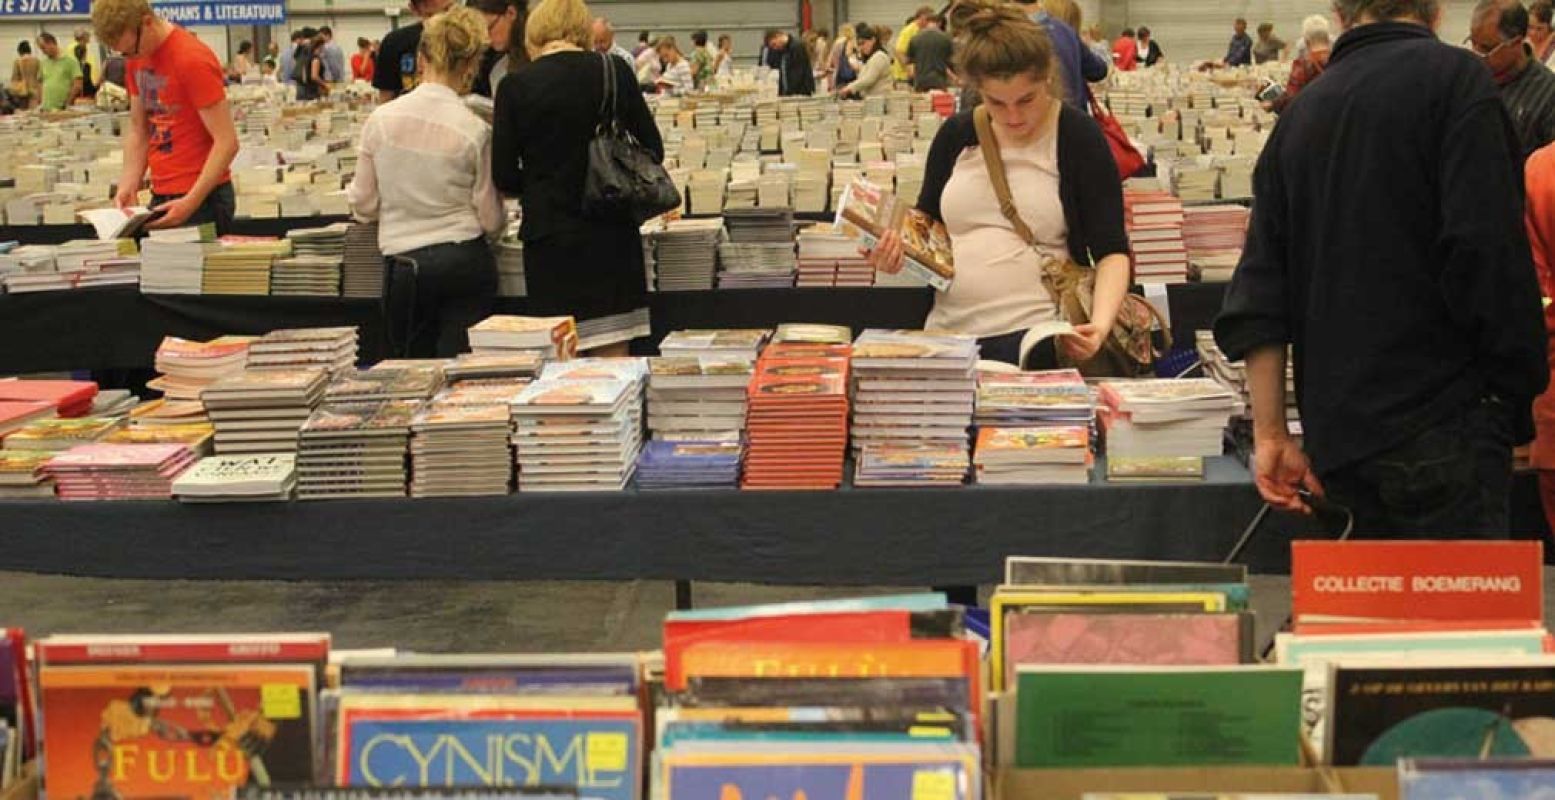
(1540,175)
(362,61)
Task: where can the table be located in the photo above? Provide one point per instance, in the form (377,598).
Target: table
(907,537)
(56,234)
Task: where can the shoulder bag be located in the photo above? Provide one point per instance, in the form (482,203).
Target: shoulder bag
(1129,350)
(1130,162)
(624,181)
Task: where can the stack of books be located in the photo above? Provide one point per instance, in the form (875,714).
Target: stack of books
(692,464)
(306,276)
(257,478)
(362,267)
(22,474)
(756,265)
(112,403)
(57,434)
(1155,231)
(822,254)
(614,328)
(1058,454)
(329,349)
(551,338)
(477,366)
(101,471)
(510,268)
(383,383)
(326,242)
(261,412)
(65,397)
(698,398)
(686,254)
(1165,418)
(241,267)
(1034,399)
(914,390)
(188,368)
(1213,236)
(355,450)
(173,261)
(459,449)
(726,342)
(197,436)
(576,435)
(16,414)
(798,420)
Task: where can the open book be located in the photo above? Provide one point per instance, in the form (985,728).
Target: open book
(116,223)
(865,212)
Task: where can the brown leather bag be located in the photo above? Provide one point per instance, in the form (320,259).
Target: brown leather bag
(1129,351)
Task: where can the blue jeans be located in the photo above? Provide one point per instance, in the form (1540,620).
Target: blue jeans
(1451,480)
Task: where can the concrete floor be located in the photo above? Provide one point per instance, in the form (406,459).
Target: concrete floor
(440,616)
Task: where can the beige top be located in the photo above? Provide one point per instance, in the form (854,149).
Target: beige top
(998,286)
(25,73)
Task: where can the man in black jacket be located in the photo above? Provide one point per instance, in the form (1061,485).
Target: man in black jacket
(787,55)
(1387,247)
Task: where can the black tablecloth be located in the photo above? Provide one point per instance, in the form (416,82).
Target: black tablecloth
(55,234)
(847,537)
(117,327)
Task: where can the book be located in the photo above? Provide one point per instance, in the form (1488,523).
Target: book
(1424,580)
(747,771)
(1137,639)
(866,211)
(118,223)
(239,477)
(1480,779)
(1036,571)
(1157,716)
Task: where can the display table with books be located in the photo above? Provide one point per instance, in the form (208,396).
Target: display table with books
(908,537)
(59,234)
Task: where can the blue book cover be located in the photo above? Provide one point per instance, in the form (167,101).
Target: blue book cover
(600,755)
(835,779)
(591,681)
(1495,779)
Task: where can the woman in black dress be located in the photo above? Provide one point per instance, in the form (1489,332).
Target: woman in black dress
(545,117)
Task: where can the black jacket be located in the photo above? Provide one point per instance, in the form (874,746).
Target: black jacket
(1387,246)
(1088,184)
(795,76)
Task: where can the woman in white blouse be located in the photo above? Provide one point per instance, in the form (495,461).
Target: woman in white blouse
(424,172)
(875,77)
(675,78)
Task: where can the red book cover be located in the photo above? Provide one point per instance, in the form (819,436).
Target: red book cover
(858,627)
(191,649)
(1425,580)
(60,394)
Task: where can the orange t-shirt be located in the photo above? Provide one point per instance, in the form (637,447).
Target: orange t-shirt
(1540,175)
(361,67)
(177,80)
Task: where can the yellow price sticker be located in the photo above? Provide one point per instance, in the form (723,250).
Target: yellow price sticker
(606,752)
(280,701)
(933,784)
(928,732)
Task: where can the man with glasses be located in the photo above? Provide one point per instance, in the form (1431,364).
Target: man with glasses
(180,125)
(1499,37)
(394,72)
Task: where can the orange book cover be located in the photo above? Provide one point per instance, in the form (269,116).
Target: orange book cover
(1423,580)
(943,658)
(143,731)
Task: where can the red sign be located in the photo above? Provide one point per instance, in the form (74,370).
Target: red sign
(1429,580)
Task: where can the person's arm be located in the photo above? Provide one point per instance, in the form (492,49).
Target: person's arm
(508,116)
(362,194)
(386,74)
(952,138)
(635,117)
(1093,68)
(1280,468)
(136,148)
(217,120)
(1488,273)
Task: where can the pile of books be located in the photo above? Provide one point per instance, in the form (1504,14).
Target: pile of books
(355,450)
(330,349)
(1055,454)
(306,276)
(262,411)
(1057,398)
(383,382)
(241,266)
(28,267)
(829,258)
(690,464)
(912,407)
(798,417)
(17,414)
(256,478)
(65,398)
(172,261)
(759,251)
(613,328)
(479,366)
(101,471)
(1157,418)
(22,474)
(362,268)
(551,338)
(197,436)
(686,254)
(698,398)
(459,449)
(326,242)
(57,434)
(576,434)
(1155,231)
(1213,236)
(188,368)
(510,268)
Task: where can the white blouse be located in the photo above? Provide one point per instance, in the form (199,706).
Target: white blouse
(424,170)
(998,286)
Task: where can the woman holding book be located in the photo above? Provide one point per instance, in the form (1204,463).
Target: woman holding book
(875,77)
(424,171)
(1065,188)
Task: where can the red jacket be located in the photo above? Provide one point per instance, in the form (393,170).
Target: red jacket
(1540,217)
(1303,72)
(1125,53)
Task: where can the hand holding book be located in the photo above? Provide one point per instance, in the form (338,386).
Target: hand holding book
(887,254)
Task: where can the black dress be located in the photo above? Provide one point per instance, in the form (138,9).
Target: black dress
(545,116)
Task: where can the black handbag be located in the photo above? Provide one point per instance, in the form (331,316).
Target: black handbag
(624,180)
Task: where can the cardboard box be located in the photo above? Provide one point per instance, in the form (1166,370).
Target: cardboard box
(1073,784)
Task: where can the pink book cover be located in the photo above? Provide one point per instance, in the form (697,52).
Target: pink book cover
(1121,639)
(99,455)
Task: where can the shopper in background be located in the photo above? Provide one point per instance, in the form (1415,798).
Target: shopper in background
(114,70)
(644,42)
(675,78)
(723,60)
(1125,51)
(546,116)
(86,53)
(1387,248)
(1309,26)
(648,68)
(1077,65)
(1539,38)
(1539,173)
(1064,184)
(243,63)
(1527,86)
(61,74)
(180,126)
(929,57)
(898,52)
(26,86)
(88,78)
(424,172)
(310,69)
(288,63)
(1240,52)
(1303,71)
(875,77)
(333,56)
(505,27)
(792,62)
(394,70)
(1148,49)
(1269,47)
(604,41)
(362,61)
(701,59)
(843,62)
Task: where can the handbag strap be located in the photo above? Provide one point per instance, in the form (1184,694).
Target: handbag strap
(607,104)
(997,176)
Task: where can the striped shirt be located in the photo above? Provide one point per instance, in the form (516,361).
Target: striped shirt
(1530,99)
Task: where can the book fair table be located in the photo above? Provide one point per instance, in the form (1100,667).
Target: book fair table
(59,234)
(906,537)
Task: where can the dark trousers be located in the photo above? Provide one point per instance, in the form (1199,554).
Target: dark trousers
(1451,480)
(219,208)
(444,288)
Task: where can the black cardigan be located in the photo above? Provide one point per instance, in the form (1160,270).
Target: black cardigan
(1088,184)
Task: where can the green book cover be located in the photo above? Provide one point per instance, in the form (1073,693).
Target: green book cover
(1158,716)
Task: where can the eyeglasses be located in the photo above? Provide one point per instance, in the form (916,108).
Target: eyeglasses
(1480,51)
(135,51)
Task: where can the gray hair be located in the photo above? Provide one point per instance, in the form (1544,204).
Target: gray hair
(1316,22)
(1513,21)
(1351,12)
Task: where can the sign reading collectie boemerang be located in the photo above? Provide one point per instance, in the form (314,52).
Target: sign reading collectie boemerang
(1400,581)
